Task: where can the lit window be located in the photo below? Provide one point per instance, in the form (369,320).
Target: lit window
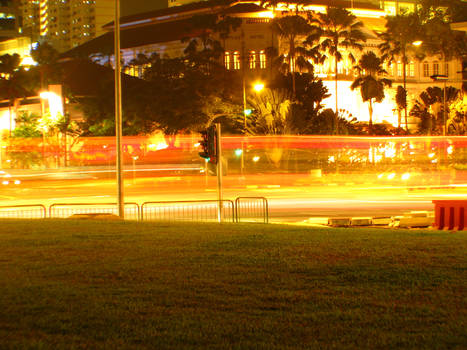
(262,59)
(399,69)
(435,68)
(411,69)
(236,60)
(252,60)
(227,60)
(426,69)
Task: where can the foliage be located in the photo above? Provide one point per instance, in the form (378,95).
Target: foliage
(371,87)
(401,102)
(27,125)
(14,82)
(292,28)
(432,99)
(341,30)
(271,113)
(46,57)
(276,111)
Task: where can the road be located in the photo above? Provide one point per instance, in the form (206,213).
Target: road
(291,197)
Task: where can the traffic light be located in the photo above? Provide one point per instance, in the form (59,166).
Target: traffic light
(209,144)
(204,145)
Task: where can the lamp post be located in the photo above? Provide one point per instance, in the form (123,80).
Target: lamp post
(118,111)
(443,78)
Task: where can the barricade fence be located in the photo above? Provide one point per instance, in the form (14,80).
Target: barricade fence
(65,210)
(251,209)
(243,209)
(205,210)
(33,211)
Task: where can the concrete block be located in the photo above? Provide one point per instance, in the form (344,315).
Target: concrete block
(360,221)
(339,222)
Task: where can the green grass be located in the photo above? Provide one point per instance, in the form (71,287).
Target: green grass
(81,284)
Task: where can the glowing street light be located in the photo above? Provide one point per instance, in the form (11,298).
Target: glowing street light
(258,87)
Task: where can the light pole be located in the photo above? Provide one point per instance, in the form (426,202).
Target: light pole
(443,78)
(118,111)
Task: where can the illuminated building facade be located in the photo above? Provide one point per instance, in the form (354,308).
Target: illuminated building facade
(161,31)
(65,23)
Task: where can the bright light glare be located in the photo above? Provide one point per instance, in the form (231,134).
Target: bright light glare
(255,158)
(431,155)
(17,182)
(405,176)
(238,152)
(450,149)
(391,176)
(5,182)
(157,147)
(417,43)
(258,87)
(197,144)
(55,103)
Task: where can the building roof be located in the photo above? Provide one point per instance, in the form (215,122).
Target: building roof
(135,37)
(173,24)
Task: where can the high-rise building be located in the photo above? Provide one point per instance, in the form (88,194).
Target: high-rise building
(65,23)
(9,21)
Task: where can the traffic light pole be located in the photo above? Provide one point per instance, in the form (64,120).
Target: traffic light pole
(219,172)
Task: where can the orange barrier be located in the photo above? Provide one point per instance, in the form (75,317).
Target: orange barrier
(450,214)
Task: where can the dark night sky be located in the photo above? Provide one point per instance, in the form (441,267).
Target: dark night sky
(131,7)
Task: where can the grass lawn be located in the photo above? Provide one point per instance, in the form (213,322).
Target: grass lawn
(82,284)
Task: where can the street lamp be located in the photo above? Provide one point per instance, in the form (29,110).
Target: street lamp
(118,111)
(443,78)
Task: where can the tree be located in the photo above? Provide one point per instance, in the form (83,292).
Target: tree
(371,86)
(432,99)
(13,82)
(291,28)
(401,31)
(46,57)
(439,39)
(342,31)
(401,102)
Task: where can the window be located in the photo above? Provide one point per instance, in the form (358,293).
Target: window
(400,69)
(236,60)
(262,59)
(252,60)
(446,69)
(227,60)
(435,68)
(411,69)
(426,69)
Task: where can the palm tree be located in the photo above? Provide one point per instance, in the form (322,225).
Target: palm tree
(371,87)
(401,31)
(342,31)
(291,28)
(401,102)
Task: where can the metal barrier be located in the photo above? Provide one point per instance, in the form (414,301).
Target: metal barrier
(30,211)
(450,214)
(246,209)
(204,210)
(64,210)
(251,209)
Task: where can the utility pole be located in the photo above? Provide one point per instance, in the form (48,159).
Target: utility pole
(118,112)
(219,171)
